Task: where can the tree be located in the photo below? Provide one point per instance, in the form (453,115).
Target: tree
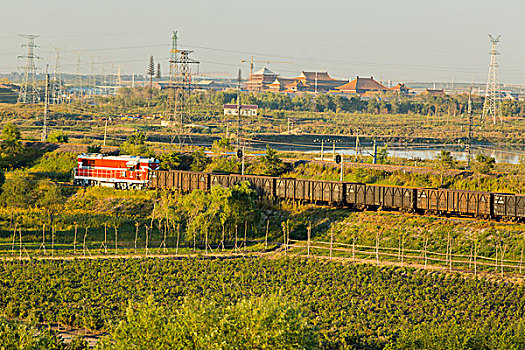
(58,137)
(274,166)
(382,155)
(483,164)
(159,75)
(10,139)
(135,145)
(200,160)
(151,73)
(446,161)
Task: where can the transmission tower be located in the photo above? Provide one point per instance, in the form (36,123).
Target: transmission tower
(172,73)
(28,90)
(182,89)
(491,106)
(79,92)
(57,81)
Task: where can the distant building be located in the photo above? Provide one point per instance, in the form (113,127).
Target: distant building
(361,86)
(246,110)
(401,89)
(208,85)
(319,81)
(434,92)
(260,80)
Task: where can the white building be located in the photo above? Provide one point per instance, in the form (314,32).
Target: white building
(246,110)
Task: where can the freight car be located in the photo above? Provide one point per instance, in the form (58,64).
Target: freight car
(357,195)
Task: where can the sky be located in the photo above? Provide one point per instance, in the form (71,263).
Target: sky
(391,40)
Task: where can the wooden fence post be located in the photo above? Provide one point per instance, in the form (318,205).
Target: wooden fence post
(521,258)
(266,236)
(475,258)
(116,238)
(75,240)
(106,238)
(178,235)
(147,239)
(43,245)
(14,237)
(377,247)
(331,241)
(353,248)
(245,234)
(206,242)
(136,235)
(84,244)
(53,232)
(284,238)
(308,242)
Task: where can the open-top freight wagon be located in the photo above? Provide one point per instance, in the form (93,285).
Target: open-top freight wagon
(438,201)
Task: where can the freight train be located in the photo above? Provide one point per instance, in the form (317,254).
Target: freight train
(139,172)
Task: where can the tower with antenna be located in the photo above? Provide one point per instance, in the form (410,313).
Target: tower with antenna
(28,90)
(491,107)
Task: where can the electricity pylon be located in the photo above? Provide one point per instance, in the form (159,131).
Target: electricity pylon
(491,105)
(28,90)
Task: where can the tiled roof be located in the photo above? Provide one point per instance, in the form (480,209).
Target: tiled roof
(368,84)
(316,75)
(264,71)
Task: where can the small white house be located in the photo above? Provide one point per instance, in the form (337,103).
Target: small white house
(246,110)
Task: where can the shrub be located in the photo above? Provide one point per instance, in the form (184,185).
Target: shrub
(58,137)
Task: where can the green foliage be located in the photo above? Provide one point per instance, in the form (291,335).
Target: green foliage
(55,165)
(10,133)
(222,145)
(135,145)
(217,213)
(24,191)
(93,148)
(15,336)
(446,161)
(199,160)
(483,164)
(273,165)
(58,137)
(255,323)
(224,165)
(382,155)
(174,161)
(353,305)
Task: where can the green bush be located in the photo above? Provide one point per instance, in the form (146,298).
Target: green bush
(256,323)
(58,137)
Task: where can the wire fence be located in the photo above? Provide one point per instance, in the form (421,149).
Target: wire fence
(472,263)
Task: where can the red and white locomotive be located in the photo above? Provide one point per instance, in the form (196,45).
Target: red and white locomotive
(122,172)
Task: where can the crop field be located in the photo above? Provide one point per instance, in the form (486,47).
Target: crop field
(351,305)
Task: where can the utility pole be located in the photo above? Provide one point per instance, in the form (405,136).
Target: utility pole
(239,109)
(375,152)
(106,130)
(356,144)
(28,89)
(469,111)
(342,168)
(46,106)
(242,170)
(491,106)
